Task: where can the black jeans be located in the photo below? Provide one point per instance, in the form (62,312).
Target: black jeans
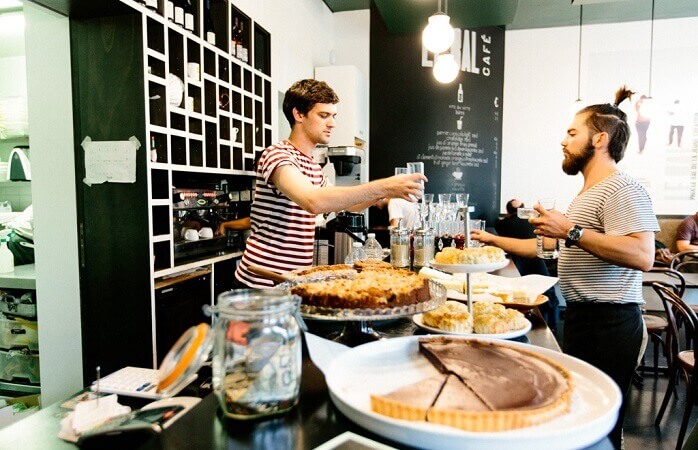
(607,336)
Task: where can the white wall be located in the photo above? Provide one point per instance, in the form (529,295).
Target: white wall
(540,85)
(303,32)
(13,79)
(55,214)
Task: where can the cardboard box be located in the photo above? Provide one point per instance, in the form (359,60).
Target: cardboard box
(8,414)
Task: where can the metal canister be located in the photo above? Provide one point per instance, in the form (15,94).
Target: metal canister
(423,247)
(400,247)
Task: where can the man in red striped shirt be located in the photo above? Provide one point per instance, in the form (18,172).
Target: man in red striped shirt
(291,189)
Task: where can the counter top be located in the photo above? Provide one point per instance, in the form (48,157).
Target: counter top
(314,421)
(23,277)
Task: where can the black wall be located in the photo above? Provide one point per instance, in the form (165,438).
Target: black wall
(414,118)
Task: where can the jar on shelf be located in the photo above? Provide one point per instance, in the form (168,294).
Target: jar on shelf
(400,247)
(423,247)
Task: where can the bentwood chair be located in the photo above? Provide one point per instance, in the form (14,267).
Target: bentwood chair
(686,261)
(682,360)
(656,325)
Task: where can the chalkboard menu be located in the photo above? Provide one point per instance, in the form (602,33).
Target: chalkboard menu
(455,128)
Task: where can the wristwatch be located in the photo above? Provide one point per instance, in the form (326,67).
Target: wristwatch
(574,234)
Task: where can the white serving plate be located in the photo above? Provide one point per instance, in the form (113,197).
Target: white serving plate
(417,319)
(468,268)
(383,366)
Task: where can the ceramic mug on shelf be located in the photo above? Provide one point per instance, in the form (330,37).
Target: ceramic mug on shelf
(194,71)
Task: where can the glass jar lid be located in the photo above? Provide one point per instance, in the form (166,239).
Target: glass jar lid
(184,359)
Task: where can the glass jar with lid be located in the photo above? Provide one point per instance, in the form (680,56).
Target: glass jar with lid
(423,247)
(256,352)
(400,247)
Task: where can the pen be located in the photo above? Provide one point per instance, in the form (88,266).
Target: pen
(143,386)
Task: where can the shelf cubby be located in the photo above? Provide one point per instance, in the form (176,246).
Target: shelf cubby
(178,145)
(162,254)
(196,153)
(155,35)
(211,145)
(160,141)
(225,157)
(159,184)
(177,120)
(156,101)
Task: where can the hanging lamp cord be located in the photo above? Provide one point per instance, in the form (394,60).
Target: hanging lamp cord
(579,62)
(651,50)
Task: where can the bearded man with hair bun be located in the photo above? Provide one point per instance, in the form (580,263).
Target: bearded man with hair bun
(609,241)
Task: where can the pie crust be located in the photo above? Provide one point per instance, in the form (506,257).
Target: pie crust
(489,386)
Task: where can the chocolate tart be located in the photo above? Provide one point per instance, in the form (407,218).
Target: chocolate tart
(489,386)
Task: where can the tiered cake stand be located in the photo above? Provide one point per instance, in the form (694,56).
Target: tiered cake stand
(358,328)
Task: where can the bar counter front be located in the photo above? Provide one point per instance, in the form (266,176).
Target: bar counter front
(314,421)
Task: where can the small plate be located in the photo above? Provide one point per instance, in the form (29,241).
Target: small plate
(417,319)
(523,307)
(468,268)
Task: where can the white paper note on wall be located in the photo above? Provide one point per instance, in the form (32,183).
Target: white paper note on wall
(112,161)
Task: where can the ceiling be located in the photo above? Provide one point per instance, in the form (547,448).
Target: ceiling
(408,16)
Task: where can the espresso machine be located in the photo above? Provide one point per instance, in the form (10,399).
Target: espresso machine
(350,165)
(197,213)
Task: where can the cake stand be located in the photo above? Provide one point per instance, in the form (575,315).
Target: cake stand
(468,268)
(358,327)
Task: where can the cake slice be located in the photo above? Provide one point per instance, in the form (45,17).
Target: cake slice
(409,402)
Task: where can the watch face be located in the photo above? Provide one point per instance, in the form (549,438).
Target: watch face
(574,234)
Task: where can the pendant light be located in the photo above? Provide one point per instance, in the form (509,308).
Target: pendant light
(438,35)
(649,88)
(445,68)
(577,104)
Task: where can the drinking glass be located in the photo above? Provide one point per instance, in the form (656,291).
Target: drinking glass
(444,198)
(400,170)
(476,224)
(416,167)
(547,248)
(462,199)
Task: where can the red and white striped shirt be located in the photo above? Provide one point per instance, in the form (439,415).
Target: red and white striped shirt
(282,232)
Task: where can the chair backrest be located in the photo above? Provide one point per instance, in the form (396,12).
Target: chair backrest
(670,278)
(675,307)
(683,261)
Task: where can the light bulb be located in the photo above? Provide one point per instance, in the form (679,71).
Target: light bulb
(445,68)
(437,37)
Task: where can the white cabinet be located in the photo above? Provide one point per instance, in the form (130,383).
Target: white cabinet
(352,111)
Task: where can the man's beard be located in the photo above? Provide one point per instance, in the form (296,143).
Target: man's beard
(572,164)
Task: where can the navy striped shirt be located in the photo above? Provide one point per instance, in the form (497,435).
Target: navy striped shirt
(282,232)
(616,206)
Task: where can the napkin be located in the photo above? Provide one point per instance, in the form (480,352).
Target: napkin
(89,414)
(322,351)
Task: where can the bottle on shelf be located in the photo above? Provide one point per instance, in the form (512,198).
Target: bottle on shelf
(208,24)
(169,10)
(188,15)
(357,254)
(373,247)
(153,149)
(233,38)
(241,50)
(151,4)
(179,12)
(7,259)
